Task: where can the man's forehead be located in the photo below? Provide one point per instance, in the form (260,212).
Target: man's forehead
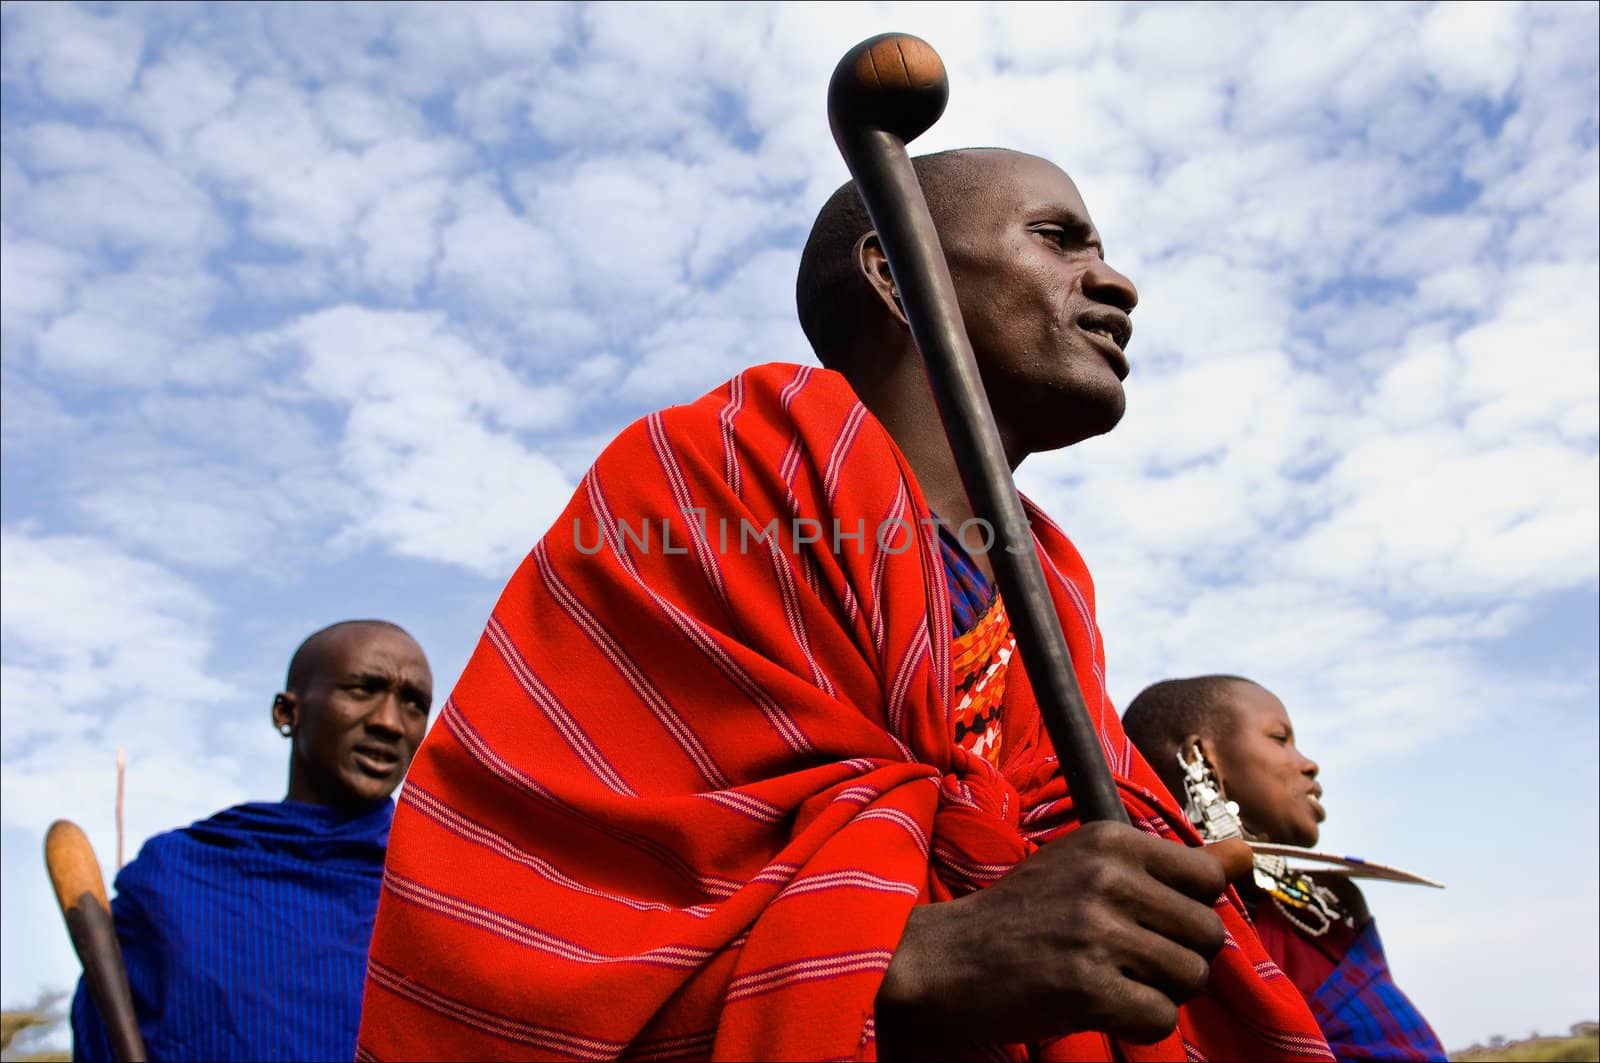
(1017,180)
(368,644)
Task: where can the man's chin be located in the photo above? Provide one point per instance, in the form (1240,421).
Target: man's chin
(368,790)
(1084,420)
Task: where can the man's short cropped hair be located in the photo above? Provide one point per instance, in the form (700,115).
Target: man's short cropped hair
(1164,713)
(829,292)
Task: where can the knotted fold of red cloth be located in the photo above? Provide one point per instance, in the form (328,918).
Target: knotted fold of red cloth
(701,767)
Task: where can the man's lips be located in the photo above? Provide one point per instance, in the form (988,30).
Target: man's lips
(1316,805)
(377,761)
(1110,330)
(1113,353)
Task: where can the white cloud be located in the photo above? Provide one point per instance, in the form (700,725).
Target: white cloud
(437,480)
(36,281)
(493,109)
(98,187)
(314,190)
(85,624)
(461,495)
(1474,48)
(629,92)
(1175,43)
(208,516)
(207,481)
(1310,58)
(401,235)
(505,263)
(358,117)
(294,282)
(415,360)
(180,93)
(34,423)
(625,230)
(127,328)
(13,184)
(749,319)
(268,119)
(438,47)
(1422,384)
(76,56)
(1200,306)
(1526,367)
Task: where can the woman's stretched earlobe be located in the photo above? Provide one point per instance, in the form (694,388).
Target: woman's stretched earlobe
(1205,805)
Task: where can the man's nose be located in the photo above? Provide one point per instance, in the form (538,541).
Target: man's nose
(1104,284)
(386,715)
(1308,767)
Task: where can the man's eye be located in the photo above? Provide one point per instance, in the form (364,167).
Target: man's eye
(1053,233)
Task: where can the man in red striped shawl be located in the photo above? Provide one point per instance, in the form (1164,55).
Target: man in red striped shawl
(743,766)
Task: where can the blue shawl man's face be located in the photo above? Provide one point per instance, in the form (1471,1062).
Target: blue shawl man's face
(359,718)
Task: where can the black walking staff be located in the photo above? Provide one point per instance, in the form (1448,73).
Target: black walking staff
(885,92)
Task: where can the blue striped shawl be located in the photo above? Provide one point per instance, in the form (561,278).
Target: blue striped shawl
(246,935)
(1364,1015)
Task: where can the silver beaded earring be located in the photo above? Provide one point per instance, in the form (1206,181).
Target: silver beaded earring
(1212,814)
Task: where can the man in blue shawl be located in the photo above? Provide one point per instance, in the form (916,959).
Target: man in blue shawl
(246,934)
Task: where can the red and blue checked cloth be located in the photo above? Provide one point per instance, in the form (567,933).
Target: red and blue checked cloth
(1345,977)
(689,787)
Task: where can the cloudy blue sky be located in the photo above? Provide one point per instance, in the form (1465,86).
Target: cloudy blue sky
(317,312)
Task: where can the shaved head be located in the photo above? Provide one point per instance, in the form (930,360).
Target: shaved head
(830,292)
(313,653)
(1164,714)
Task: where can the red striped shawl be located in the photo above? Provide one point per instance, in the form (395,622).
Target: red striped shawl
(685,794)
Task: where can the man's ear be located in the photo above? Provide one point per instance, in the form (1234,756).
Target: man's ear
(874,266)
(285,711)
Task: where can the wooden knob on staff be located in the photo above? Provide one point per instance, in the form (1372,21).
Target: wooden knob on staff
(81,893)
(894,82)
(74,871)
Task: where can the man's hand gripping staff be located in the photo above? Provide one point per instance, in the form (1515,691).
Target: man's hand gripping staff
(1106,928)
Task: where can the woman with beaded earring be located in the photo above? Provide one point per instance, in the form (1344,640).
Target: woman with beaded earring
(1224,746)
